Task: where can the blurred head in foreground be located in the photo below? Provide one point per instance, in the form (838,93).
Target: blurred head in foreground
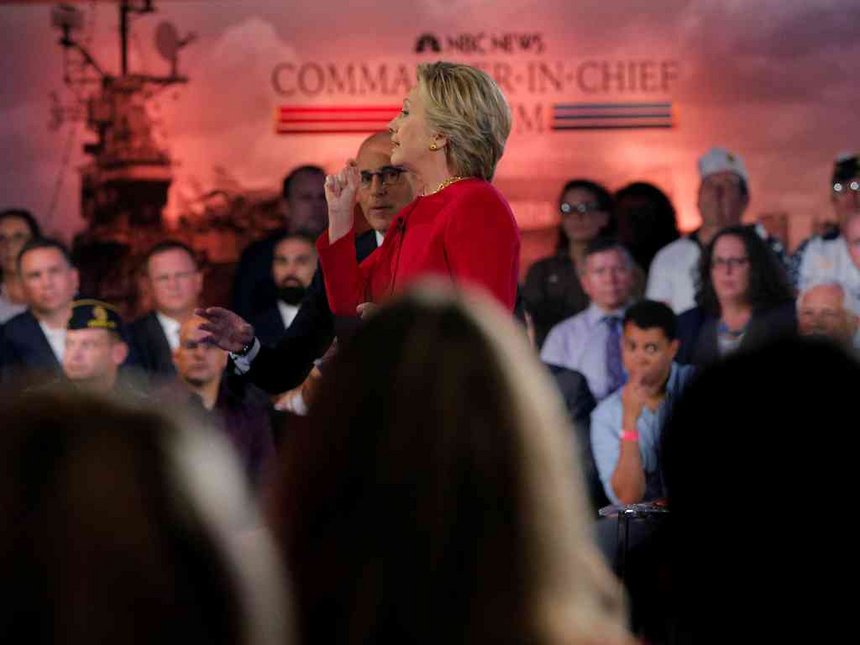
(431,499)
(121,526)
(754,490)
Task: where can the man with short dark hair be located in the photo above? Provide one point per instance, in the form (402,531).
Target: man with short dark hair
(95,348)
(306,212)
(34,341)
(626,427)
(175,283)
(590,341)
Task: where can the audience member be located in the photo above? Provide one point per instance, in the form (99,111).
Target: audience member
(432,499)
(744,299)
(723,198)
(835,257)
(824,311)
(33,342)
(95,346)
(124,527)
(626,427)
(590,341)
(646,221)
(383,191)
(293,268)
(237,408)
(306,212)
(175,283)
(17,227)
(552,290)
(743,482)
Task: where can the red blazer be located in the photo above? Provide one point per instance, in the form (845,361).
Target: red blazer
(466,233)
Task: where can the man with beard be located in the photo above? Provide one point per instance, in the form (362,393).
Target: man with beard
(293,268)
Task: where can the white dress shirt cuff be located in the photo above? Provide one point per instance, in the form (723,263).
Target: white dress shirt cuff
(243,363)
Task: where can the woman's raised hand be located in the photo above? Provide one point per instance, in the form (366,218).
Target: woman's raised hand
(340,190)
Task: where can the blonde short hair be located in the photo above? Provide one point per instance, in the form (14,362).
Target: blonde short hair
(465,105)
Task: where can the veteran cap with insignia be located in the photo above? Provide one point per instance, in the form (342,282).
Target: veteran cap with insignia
(721,160)
(94,314)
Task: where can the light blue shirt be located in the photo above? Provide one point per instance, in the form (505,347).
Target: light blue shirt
(606,422)
(579,343)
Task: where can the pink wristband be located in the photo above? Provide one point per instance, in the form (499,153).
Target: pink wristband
(629,435)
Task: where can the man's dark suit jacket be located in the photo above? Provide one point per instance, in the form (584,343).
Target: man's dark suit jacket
(580,403)
(285,365)
(150,348)
(25,351)
(253,287)
(697,332)
(269,325)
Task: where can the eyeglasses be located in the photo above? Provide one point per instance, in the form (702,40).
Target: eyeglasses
(168,277)
(388,175)
(849,186)
(729,263)
(583,209)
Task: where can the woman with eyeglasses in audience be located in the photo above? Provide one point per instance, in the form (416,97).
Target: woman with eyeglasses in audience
(435,496)
(744,299)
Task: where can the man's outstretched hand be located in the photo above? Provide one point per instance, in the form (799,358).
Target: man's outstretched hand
(227,330)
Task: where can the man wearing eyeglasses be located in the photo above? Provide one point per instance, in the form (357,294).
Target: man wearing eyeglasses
(835,256)
(174,282)
(384,190)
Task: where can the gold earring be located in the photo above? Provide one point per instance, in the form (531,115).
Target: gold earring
(434,147)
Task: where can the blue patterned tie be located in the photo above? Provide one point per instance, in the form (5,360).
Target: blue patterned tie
(614,367)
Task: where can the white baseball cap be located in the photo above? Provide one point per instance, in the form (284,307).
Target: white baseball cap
(720,160)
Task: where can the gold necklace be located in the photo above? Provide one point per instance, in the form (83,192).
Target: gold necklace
(445,184)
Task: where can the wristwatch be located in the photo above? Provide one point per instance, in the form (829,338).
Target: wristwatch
(245,349)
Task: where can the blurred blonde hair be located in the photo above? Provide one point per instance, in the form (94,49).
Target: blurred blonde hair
(439,461)
(465,105)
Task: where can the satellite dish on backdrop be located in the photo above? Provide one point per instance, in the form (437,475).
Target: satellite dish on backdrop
(167,41)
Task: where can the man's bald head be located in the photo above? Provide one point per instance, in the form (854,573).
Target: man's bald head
(197,362)
(378,141)
(384,189)
(822,311)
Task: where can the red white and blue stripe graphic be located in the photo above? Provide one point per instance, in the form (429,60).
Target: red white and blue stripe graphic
(611,116)
(333,119)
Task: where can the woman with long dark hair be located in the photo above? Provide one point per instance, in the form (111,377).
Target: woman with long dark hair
(646,221)
(743,299)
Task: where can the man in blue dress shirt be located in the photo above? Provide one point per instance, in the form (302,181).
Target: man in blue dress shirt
(626,427)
